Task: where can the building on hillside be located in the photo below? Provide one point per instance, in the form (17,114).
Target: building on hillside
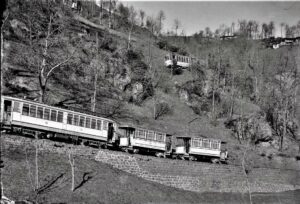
(228,37)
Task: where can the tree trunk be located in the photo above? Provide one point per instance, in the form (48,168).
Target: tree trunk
(72,164)
(245,172)
(101,12)
(283,135)
(42,82)
(129,36)
(95,92)
(109,15)
(213,99)
(37,185)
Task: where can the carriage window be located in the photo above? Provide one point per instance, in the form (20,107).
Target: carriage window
(53,115)
(196,142)
(98,124)
(32,111)
(60,117)
(141,134)
(81,121)
(25,109)
(150,135)
(206,144)
(160,137)
(215,145)
(47,114)
(40,112)
(105,125)
(76,120)
(69,118)
(93,125)
(88,123)
(16,107)
(180,142)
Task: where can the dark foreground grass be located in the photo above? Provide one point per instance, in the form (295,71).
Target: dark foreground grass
(99,183)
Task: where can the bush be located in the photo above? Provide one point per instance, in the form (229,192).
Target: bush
(109,44)
(177,71)
(162,108)
(134,55)
(162,44)
(173,48)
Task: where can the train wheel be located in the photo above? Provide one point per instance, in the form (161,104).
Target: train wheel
(123,149)
(158,154)
(135,151)
(192,158)
(104,146)
(181,157)
(214,160)
(173,156)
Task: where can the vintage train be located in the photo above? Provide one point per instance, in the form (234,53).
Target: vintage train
(44,121)
(172,59)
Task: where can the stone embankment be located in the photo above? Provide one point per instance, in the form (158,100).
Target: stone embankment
(202,177)
(187,175)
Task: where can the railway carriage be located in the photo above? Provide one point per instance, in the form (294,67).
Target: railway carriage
(194,148)
(182,61)
(40,120)
(135,139)
(37,119)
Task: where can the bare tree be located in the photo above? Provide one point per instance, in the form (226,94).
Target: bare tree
(72,164)
(45,69)
(265,30)
(271,28)
(232,28)
(161,109)
(111,8)
(142,17)
(49,27)
(150,24)
(246,170)
(132,20)
(160,17)
(176,25)
(298,28)
(281,26)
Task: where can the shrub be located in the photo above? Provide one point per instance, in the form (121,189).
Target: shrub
(162,44)
(177,71)
(109,44)
(133,55)
(173,48)
(161,109)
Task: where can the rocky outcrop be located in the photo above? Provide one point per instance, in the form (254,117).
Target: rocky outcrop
(252,127)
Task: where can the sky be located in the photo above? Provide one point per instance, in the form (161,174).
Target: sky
(196,15)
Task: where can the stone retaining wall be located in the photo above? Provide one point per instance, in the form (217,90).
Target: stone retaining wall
(199,176)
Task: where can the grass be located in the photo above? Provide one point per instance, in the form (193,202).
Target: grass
(96,182)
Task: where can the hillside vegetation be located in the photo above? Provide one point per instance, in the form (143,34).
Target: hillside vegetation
(239,91)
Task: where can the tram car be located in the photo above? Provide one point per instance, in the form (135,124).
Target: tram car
(40,120)
(182,61)
(194,148)
(135,139)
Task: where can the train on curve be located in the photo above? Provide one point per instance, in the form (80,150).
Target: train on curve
(43,121)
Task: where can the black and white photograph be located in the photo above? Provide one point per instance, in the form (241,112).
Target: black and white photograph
(150,102)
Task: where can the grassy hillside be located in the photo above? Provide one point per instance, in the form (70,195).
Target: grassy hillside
(96,182)
(131,82)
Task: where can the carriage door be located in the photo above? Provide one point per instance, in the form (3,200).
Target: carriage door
(110,132)
(168,143)
(187,144)
(7,111)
